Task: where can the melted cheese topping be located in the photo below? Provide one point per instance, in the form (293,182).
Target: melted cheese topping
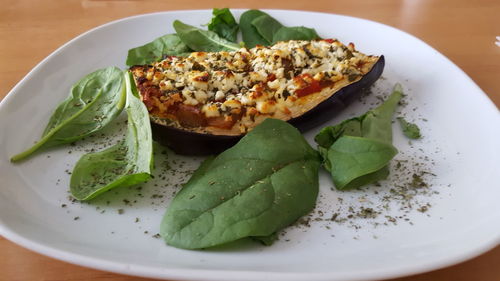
(230,90)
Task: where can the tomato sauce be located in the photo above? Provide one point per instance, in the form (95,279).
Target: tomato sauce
(308,85)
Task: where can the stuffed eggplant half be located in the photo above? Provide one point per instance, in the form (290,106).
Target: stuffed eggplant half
(205,102)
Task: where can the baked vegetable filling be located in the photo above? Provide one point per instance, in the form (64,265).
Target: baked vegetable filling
(232,92)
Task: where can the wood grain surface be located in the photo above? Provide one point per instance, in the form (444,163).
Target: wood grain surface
(462,30)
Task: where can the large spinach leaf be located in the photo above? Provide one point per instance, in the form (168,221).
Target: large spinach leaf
(266,26)
(169,44)
(357,151)
(259,28)
(224,24)
(93,103)
(126,163)
(251,36)
(262,184)
(203,40)
(294,33)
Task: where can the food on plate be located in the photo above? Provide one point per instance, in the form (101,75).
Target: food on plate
(224,24)
(199,40)
(209,93)
(357,151)
(259,28)
(269,178)
(92,104)
(265,182)
(155,50)
(126,163)
(204,103)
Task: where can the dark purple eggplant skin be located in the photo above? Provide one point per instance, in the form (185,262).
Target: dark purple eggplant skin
(189,143)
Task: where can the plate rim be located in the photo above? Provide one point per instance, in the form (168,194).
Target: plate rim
(217,274)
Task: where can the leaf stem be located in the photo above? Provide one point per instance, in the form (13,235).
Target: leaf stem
(28,152)
(52,132)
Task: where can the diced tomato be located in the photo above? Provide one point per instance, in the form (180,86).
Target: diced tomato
(271,77)
(190,116)
(309,85)
(221,122)
(360,64)
(148,93)
(202,78)
(313,87)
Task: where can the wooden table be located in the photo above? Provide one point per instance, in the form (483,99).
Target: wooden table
(462,30)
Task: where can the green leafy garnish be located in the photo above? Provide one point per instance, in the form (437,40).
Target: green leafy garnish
(259,28)
(353,158)
(410,130)
(265,182)
(93,103)
(295,33)
(124,164)
(266,26)
(251,36)
(203,40)
(155,50)
(224,24)
(358,150)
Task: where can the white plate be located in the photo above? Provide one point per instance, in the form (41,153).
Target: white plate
(460,146)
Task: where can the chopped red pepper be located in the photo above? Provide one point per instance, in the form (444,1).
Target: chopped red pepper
(221,122)
(271,77)
(313,87)
(309,85)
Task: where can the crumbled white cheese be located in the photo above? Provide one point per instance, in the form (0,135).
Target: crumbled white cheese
(263,79)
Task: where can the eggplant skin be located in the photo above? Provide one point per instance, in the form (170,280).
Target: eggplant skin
(191,143)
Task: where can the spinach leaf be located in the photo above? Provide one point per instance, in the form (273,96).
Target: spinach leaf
(377,123)
(251,36)
(294,33)
(124,164)
(169,44)
(266,26)
(369,178)
(93,103)
(410,130)
(203,40)
(328,135)
(259,28)
(262,184)
(358,150)
(224,24)
(353,157)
